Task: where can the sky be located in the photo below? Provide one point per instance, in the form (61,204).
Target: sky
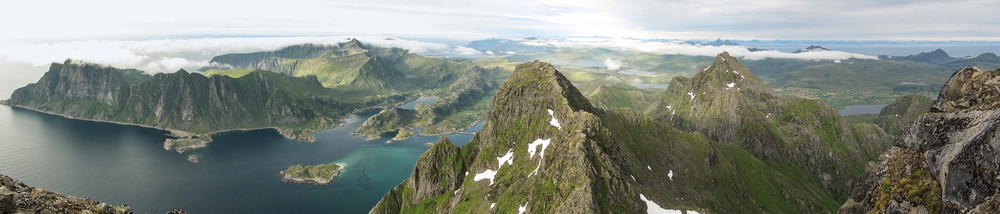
(163,36)
(48,20)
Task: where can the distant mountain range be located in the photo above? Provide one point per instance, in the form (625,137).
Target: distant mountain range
(297,90)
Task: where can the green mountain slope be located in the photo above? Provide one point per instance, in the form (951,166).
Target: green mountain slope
(729,104)
(546,149)
(902,112)
(191,105)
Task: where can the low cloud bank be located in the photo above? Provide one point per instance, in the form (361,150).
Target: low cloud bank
(169,55)
(678,47)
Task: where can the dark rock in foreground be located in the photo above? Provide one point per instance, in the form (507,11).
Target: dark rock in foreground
(16,197)
(958,142)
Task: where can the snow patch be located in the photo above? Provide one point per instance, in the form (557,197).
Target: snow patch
(668,107)
(508,158)
(492,205)
(670,174)
(533,147)
(488,174)
(633,177)
(653,208)
(456,191)
(731,84)
(536,169)
(554,121)
(522,208)
(692,95)
(650,168)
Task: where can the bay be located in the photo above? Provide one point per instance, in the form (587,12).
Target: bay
(237,173)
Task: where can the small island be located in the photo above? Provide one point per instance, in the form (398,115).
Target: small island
(321,174)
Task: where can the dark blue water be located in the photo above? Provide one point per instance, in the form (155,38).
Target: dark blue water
(237,173)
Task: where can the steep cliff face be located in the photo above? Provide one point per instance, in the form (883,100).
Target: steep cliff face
(956,141)
(16,197)
(729,104)
(546,149)
(187,103)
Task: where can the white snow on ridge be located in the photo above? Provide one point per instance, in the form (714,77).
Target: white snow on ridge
(653,208)
(670,175)
(692,95)
(533,147)
(731,84)
(554,121)
(522,208)
(509,158)
(488,174)
(536,169)
(493,204)
(647,167)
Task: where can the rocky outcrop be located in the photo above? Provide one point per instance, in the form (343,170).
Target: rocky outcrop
(957,140)
(16,197)
(546,149)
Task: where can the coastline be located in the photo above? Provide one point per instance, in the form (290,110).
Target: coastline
(180,135)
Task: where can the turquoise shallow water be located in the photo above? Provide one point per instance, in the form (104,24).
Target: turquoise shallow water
(237,173)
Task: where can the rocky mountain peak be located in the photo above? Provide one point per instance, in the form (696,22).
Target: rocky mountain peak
(726,73)
(354,46)
(970,88)
(542,82)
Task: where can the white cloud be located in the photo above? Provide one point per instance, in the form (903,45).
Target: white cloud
(466,50)
(686,19)
(675,47)
(172,54)
(612,64)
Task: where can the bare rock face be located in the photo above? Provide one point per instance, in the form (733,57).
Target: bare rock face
(960,138)
(959,141)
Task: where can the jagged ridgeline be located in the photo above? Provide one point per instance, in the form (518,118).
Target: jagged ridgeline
(190,104)
(809,141)
(947,161)
(546,149)
(462,87)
